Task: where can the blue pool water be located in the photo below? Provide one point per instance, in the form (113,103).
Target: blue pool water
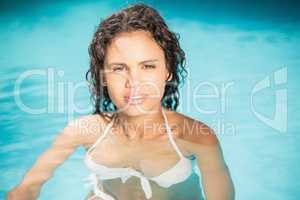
(236,52)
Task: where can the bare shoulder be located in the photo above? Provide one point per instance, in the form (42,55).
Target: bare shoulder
(198,132)
(194,135)
(85,124)
(85,128)
(192,130)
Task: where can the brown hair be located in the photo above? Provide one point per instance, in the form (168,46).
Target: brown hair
(136,17)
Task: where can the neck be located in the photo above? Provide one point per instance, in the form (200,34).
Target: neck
(144,126)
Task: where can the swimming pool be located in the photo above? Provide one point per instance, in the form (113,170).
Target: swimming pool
(243,81)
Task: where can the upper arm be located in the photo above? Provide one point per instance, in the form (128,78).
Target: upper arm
(215,175)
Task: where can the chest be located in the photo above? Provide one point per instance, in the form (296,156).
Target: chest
(151,158)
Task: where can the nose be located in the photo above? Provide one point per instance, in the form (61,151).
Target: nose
(132,84)
(133,81)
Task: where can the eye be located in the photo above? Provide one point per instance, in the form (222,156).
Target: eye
(150,66)
(118,68)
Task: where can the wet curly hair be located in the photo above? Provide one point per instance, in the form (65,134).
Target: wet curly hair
(133,18)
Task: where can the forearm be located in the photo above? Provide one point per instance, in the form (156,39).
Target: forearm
(32,188)
(35,178)
(42,170)
(40,173)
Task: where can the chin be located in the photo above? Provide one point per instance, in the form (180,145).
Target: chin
(136,110)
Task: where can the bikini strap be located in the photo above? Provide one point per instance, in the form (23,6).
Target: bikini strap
(107,128)
(169,131)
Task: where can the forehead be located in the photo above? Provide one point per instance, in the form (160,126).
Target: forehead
(137,45)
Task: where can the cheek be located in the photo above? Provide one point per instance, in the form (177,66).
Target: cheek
(115,86)
(154,87)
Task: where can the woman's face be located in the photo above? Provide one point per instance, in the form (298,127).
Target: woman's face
(135,73)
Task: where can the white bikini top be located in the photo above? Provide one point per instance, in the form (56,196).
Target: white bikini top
(176,174)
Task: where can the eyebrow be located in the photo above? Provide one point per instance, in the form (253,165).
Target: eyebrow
(119,63)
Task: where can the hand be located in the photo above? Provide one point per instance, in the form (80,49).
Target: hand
(21,193)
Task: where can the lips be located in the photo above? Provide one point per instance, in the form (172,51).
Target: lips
(136,99)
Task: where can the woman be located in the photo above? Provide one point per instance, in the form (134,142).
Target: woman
(138,146)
